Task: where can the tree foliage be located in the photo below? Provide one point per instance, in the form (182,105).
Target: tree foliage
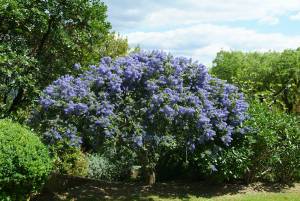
(276,145)
(273,77)
(42,40)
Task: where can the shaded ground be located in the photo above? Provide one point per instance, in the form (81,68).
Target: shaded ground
(90,190)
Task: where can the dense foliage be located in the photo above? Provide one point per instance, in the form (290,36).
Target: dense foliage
(227,164)
(147,101)
(42,40)
(24,161)
(270,151)
(276,149)
(273,77)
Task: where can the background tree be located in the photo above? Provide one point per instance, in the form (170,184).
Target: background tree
(42,40)
(113,46)
(273,77)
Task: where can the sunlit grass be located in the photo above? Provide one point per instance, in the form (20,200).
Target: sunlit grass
(236,197)
(91,190)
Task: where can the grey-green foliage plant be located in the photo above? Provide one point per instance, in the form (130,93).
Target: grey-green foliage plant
(273,77)
(24,161)
(42,40)
(110,164)
(100,167)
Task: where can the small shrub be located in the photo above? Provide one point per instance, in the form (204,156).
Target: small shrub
(101,168)
(72,162)
(69,160)
(110,166)
(24,161)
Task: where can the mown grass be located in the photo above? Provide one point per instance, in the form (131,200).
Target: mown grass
(238,197)
(81,189)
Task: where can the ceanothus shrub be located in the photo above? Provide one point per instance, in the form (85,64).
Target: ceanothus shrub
(148,101)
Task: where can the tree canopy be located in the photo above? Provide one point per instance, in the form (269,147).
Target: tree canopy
(42,40)
(273,77)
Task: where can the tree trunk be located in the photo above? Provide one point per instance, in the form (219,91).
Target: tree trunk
(148,168)
(17,101)
(150,177)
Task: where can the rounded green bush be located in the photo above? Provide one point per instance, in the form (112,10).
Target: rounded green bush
(24,161)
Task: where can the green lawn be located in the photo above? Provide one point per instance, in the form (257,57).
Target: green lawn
(80,189)
(238,197)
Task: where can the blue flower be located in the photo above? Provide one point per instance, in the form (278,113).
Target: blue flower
(46,102)
(168,111)
(186,110)
(77,66)
(213,168)
(138,140)
(209,134)
(77,108)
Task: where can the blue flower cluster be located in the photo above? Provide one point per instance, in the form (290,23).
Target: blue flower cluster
(164,95)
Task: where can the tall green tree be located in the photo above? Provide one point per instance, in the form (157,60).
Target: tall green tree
(42,40)
(273,77)
(113,46)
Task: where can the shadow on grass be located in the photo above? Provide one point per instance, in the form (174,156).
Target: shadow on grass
(82,189)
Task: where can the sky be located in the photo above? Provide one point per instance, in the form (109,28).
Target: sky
(198,29)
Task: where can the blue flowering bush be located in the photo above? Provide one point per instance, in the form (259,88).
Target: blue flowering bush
(148,101)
